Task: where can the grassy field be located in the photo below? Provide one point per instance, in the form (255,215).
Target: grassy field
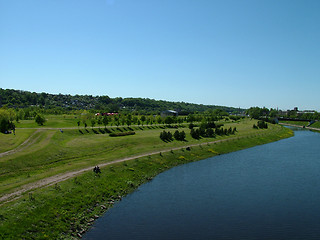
(65,210)
(52,121)
(54,152)
(11,141)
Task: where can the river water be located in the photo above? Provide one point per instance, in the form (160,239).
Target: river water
(270,191)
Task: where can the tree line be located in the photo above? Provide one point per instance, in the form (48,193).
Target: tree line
(269,114)
(63,103)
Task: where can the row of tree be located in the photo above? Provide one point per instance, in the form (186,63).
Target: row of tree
(265,113)
(168,137)
(210,132)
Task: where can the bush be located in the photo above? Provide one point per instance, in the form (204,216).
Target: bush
(40,120)
(180,136)
(195,133)
(166,136)
(262,124)
(121,134)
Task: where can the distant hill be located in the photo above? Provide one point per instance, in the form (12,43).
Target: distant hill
(23,99)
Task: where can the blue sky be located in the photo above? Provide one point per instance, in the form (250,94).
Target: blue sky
(238,53)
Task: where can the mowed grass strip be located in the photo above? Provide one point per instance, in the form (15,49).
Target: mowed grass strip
(66,210)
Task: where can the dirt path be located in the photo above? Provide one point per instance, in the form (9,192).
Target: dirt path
(30,140)
(62,177)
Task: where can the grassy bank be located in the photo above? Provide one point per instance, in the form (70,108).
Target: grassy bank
(66,210)
(298,123)
(53,152)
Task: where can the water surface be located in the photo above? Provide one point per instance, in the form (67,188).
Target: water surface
(265,192)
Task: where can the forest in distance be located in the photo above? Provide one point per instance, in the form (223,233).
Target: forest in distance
(16,105)
(61,103)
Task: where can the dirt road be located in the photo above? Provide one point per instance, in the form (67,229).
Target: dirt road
(32,139)
(62,177)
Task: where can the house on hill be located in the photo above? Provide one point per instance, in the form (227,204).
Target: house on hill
(169,113)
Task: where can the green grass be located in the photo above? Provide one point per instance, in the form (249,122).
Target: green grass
(316,124)
(11,141)
(53,121)
(65,211)
(55,152)
(298,123)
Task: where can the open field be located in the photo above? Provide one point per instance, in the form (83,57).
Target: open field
(53,121)
(60,211)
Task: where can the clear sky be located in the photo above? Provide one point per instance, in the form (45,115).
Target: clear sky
(238,53)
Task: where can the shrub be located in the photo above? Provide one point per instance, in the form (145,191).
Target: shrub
(119,134)
(40,120)
(180,136)
(166,136)
(262,124)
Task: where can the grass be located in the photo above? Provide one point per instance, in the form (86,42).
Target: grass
(316,124)
(67,209)
(298,123)
(54,152)
(11,141)
(53,121)
(63,211)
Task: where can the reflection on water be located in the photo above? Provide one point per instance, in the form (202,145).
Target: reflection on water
(266,192)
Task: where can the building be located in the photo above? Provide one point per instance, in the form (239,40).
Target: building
(169,113)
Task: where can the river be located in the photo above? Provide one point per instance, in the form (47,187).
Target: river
(270,191)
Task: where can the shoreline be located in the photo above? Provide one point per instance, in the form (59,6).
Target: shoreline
(299,126)
(116,181)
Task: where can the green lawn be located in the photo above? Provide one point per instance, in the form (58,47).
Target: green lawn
(52,121)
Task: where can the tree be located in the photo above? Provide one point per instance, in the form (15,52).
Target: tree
(195,133)
(159,119)
(40,120)
(182,136)
(168,120)
(105,121)
(93,122)
(99,121)
(191,118)
(176,135)
(129,120)
(142,119)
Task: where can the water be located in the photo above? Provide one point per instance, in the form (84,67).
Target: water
(266,192)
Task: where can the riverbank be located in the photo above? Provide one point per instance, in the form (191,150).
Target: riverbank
(301,126)
(67,209)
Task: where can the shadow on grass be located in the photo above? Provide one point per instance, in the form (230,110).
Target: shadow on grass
(102,131)
(95,131)
(80,131)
